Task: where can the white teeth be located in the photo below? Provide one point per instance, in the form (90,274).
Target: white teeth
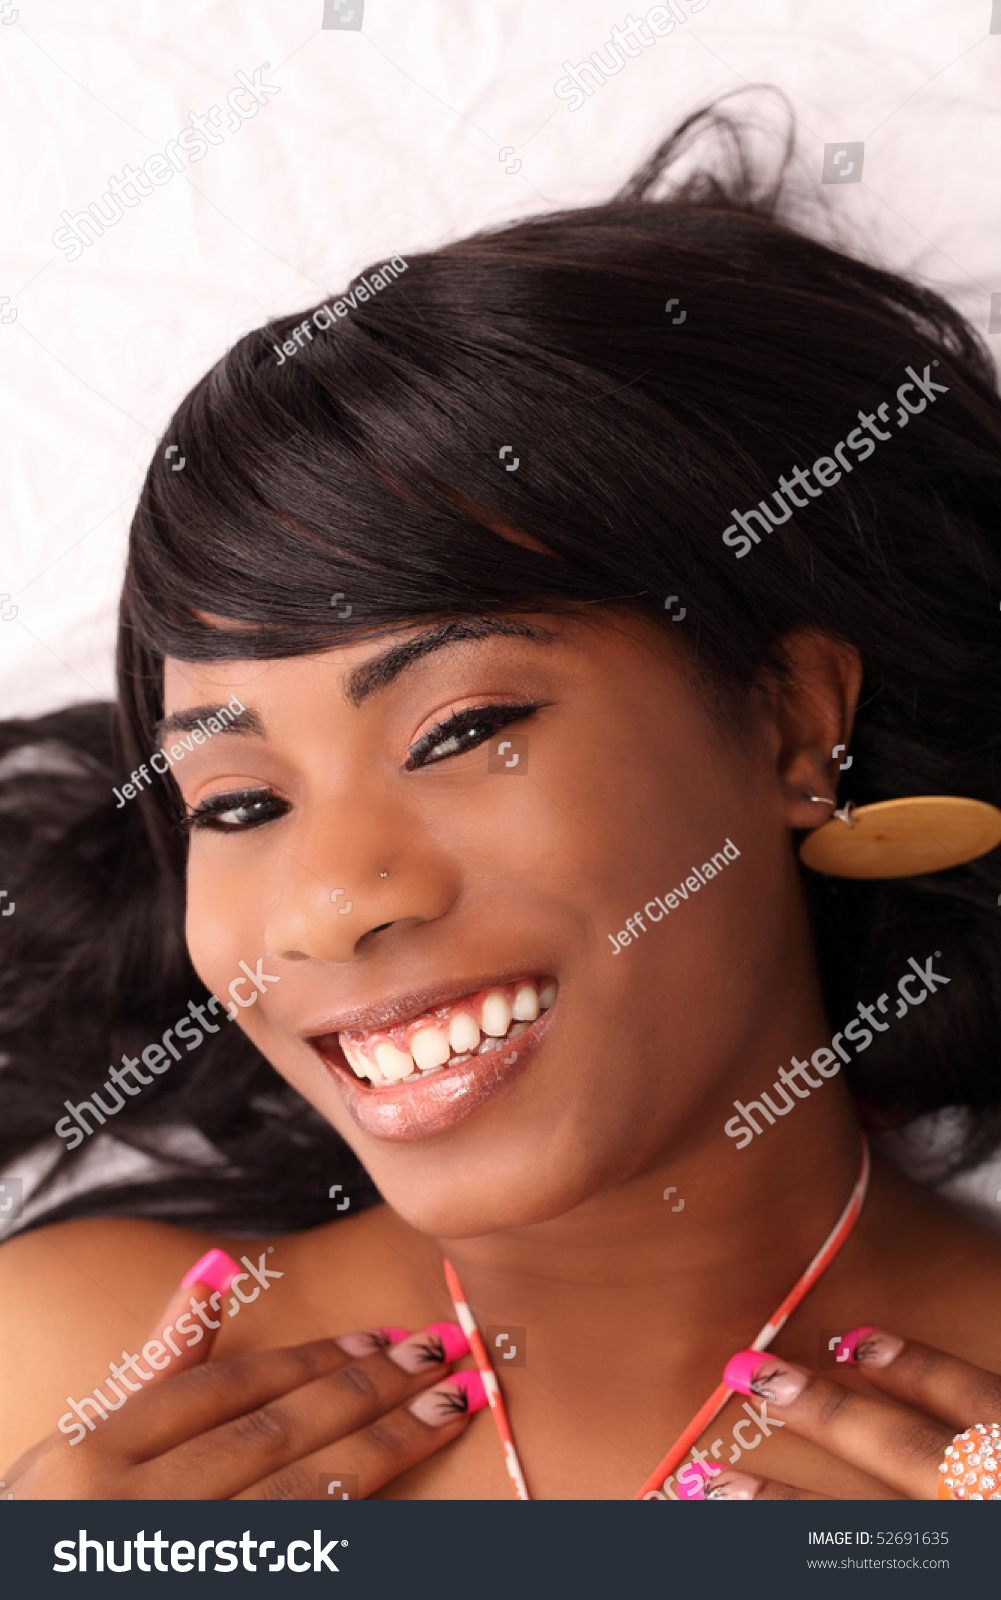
(356,1061)
(496,1015)
(429,1048)
(392,1063)
(463,1034)
(526,1003)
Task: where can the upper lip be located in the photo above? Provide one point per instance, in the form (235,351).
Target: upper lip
(413,1003)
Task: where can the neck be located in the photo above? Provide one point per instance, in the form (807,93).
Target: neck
(752,1220)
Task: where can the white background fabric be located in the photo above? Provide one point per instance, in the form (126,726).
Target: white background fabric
(386,139)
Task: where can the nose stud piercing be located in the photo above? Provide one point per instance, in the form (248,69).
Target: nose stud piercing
(383,874)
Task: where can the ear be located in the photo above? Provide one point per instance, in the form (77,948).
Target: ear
(810,710)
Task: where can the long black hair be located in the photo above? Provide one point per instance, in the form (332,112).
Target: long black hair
(368,466)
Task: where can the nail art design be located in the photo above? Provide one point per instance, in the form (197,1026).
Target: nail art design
(734,1486)
(460,1395)
(436,1345)
(869,1346)
(367,1340)
(768,1377)
(691,1480)
(215,1269)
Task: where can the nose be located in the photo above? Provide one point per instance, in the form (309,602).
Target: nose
(333,903)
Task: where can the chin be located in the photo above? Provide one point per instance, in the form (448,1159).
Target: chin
(469,1206)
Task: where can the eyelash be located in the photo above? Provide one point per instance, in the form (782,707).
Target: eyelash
(211,811)
(479,721)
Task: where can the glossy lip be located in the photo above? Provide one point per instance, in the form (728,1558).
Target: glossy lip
(408,1007)
(442,1099)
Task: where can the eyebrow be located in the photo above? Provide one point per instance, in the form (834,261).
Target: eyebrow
(250,724)
(378,673)
(373,675)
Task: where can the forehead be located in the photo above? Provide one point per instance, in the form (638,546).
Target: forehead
(603,646)
(359,669)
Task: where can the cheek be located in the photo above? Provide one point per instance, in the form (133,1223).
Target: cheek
(224,918)
(633,806)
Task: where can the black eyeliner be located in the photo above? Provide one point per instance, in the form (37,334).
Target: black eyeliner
(218,804)
(495,713)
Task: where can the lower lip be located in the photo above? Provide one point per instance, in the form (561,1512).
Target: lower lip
(405,1111)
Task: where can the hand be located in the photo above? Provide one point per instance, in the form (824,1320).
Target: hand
(264,1426)
(900,1441)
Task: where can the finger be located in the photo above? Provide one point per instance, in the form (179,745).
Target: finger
(900,1447)
(741,1486)
(201,1291)
(375,1455)
(216,1392)
(923,1377)
(122,1451)
(261,1441)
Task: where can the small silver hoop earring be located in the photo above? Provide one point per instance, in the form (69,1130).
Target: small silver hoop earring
(843,814)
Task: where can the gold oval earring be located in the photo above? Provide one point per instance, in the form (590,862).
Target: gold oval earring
(901,838)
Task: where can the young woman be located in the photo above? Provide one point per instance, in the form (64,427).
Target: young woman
(435,893)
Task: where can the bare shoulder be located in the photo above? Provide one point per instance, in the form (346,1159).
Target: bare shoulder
(72,1295)
(361,1271)
(78,1296)
(102,1255)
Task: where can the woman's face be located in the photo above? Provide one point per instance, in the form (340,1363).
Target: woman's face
(378,864)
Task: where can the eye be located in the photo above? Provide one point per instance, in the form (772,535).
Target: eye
(236,812)
(464,730)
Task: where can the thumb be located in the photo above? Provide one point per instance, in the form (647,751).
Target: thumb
(186,1329)
(185,1332)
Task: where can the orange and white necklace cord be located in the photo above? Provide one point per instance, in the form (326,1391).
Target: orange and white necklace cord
(719,1397)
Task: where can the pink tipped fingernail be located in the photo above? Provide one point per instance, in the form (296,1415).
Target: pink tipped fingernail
(452,1337)
(846,1350)
(368,1340)
(869,1346)
(694,1487)
(395,1335)
(740,1369)
(436,1345)
(734,1486)
(215,1269)
(767,1377)
(471,1383)
(460,1395)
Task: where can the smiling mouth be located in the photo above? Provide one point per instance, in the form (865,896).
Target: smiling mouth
(445,1037)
